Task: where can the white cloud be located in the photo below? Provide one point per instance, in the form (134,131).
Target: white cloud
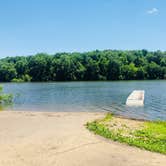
(153,11)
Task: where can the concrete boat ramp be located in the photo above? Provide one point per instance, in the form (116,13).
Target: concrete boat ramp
(136,98)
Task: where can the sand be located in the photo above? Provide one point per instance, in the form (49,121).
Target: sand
(61,139)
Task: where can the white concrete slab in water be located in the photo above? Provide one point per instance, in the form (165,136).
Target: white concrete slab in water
(136,98)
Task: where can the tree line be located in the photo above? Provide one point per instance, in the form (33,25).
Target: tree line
(94,65)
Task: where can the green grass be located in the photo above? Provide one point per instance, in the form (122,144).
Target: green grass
(151,136)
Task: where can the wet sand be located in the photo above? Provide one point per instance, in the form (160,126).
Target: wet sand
(61,139)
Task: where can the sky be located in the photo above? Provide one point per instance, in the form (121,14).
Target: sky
(31,26)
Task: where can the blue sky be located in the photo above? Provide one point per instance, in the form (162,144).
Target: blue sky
(31,26)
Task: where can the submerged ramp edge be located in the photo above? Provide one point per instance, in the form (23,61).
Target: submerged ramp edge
(136,98)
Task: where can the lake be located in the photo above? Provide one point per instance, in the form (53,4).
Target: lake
(90,96)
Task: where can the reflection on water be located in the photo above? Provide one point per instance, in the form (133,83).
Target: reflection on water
(90,96)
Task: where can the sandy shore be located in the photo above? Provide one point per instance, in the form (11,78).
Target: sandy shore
(61,139)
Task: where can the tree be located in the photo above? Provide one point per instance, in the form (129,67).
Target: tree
(94,65)
(65,69)
(129,72)
(114,70)
(39,67)
(92,70)
(141,73)
(21,67)
(7,72)
(154,71)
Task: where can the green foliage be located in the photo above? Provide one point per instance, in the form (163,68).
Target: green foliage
(154,71)
(114,69)
(141,73)
(129,72)
(23,78)
(151,137)
(7,71)
(107,118)
(94,65)
(26,78)
(5,98)
(17,80)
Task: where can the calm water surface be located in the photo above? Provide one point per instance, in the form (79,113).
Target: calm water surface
(90,96)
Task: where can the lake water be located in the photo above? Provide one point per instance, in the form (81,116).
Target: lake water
(90,96)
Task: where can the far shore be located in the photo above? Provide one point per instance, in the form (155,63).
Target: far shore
(61,138)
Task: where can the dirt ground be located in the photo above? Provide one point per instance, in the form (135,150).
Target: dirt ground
(61,139)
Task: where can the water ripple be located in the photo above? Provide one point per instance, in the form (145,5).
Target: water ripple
(93,96)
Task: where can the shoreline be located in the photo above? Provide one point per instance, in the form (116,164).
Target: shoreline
(88,111)
(61,138)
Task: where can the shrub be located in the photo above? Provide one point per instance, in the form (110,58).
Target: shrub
(5,98)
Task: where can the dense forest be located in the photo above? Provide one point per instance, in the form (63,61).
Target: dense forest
(95,65)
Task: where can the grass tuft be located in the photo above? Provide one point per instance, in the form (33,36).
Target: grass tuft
(151,136)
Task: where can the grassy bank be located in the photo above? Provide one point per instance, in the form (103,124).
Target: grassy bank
(145,135)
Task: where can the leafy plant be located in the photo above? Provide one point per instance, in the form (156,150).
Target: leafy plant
(5,98)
